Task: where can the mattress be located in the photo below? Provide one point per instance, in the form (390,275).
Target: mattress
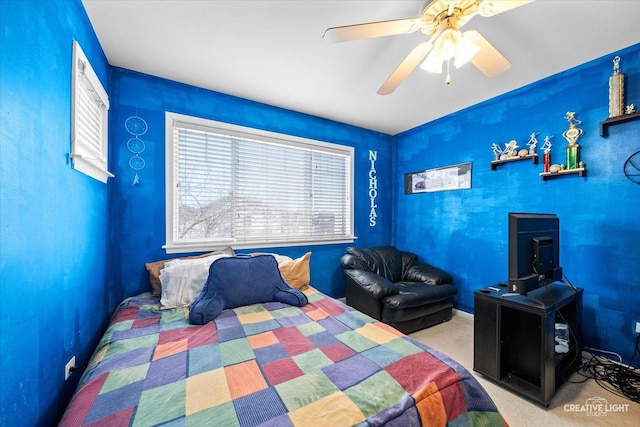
(270,364)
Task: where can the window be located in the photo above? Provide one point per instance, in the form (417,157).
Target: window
(90,116)
(229,185)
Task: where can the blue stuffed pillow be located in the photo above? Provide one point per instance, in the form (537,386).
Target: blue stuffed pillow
(237,281)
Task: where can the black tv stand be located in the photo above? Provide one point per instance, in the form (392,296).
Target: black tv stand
(514,338)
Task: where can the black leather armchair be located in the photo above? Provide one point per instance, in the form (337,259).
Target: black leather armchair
(394,287)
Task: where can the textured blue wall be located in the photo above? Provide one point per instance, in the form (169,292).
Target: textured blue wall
(138,212)
(53,219)
(465,231)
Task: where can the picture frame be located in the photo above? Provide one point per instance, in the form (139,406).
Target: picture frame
(454,177)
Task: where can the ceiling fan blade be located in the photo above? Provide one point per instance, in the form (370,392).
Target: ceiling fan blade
(488,59)
(415,57)
(493,7)
(371,30)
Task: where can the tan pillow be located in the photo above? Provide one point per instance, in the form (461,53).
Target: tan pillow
(154,268)
(296,272)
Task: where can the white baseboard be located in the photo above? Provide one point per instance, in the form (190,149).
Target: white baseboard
(462,314)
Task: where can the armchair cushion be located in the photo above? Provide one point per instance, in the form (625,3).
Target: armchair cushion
(413,294)
(385,261)
(377,286)
(427,273)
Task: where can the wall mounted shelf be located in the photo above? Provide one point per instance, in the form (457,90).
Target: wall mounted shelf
(549,175)
(604,126)
(495,163)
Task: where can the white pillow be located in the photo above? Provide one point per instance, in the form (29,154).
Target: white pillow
(281,258)
(182,280)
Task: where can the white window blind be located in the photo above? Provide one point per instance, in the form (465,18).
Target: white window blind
(89,148)
(228,186)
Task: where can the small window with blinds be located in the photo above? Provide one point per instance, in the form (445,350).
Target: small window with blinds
(230,185)
(90,116)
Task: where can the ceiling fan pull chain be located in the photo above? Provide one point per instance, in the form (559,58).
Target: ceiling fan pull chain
(448,76)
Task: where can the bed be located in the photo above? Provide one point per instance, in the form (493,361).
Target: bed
(270,364)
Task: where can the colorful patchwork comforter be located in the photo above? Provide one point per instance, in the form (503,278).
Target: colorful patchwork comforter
(323,364)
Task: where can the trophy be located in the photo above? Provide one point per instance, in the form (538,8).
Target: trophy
(533,141)
(546,149)
(571,135)
(616,90)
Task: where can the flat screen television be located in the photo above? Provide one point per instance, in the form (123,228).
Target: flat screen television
(534,251)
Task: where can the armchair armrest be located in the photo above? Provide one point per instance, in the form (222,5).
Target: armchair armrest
(377,286)
(428,274)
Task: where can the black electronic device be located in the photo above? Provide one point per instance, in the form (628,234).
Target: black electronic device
(534,251)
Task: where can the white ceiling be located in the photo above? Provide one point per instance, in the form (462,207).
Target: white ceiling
(273,51)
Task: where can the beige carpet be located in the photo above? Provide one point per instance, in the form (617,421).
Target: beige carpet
(455,338)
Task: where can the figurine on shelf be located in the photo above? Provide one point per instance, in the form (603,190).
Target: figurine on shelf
(630,109)
(616,90)
(497,151)
(533,141)
(546,149)
(571,135)
(510,148)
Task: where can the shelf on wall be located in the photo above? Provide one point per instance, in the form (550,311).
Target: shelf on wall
(548,175)
(495,163)
(604,126)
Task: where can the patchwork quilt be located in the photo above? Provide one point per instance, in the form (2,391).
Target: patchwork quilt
(270,364)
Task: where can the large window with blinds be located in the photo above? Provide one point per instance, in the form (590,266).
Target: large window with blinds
(230,185)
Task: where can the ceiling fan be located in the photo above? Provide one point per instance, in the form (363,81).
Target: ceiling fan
(442,20)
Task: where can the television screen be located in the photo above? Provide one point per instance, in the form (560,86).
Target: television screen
(534,251)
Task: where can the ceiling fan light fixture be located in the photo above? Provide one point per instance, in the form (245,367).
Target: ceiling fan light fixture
(449,44)
(433,62)
(465,50)
(443,49)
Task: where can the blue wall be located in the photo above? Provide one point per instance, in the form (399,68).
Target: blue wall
(138,211)
(53,219)
(465,231)
(71,248)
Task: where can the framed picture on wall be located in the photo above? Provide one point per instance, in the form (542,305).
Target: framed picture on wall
(454,177)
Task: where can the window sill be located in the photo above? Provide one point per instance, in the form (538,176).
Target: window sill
(88,167)
(206,247)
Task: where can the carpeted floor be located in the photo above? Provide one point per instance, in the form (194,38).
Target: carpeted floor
(455,338)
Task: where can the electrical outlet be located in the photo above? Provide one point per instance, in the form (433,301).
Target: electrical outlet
(69,367)
(637,329)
